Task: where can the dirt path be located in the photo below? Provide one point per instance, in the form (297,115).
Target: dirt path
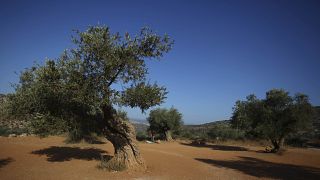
(50,158)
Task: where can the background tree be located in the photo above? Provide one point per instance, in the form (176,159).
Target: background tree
(274,117)
(165,121)
(78,91)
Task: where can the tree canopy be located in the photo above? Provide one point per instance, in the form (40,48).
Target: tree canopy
(104,69)
(78,91)
(274,117)
(165,121)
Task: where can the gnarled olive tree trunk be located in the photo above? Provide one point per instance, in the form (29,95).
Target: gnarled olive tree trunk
(122,135)
(168,135)
(277,144)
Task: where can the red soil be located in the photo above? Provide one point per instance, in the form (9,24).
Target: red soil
(50,158)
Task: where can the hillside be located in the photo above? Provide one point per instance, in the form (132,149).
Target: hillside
(208,125)
(140,125)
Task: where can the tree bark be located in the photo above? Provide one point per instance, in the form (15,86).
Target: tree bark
(121,134)
(277,145)
(168,135)
(152,136)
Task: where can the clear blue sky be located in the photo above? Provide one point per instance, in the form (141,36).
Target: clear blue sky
(224,50)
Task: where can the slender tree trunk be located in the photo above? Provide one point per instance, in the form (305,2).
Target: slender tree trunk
(168,135)
(122,135)
(152,136)
(281,142)
(277,144)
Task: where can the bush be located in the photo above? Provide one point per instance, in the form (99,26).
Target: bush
(212,132)
(297,141)
(300,139)
(224,133)
(194,134)
(5,131)
(186,134)
(142,136)
(45,124)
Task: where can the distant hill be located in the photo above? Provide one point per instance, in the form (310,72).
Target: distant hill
(139,121)
(143,125)
(140,124)
(208,125)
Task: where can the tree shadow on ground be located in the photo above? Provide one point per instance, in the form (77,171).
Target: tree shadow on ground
(264,169)
(5,161)
(217,147)
(59,154)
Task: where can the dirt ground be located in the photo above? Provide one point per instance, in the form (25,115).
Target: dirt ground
(50,158)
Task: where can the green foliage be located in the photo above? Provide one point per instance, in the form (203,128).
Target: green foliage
(45,124)
(299,139)
(194,134)
(225,133)
(144,96)
(123,115)
(109,58)
(68,94)
(142,135)
(218,130)
(6,131)
(162,120)
(316,123)
(2,108)
(275,117)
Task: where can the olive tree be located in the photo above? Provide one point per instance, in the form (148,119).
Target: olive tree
(164,121)
(78,91)
(274,117)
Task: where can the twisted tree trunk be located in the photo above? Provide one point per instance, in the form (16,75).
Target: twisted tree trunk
(122,135)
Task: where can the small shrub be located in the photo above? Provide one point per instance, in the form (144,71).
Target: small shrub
(142,136)
(193,134)
(18,131)
(225,133)
(74,136)
(297,141)
(110,164)
(186,134)
(5,131)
